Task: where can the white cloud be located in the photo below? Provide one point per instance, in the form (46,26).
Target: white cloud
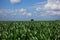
(50,13)
(0,10)
(53,4)
(22,10)
(13,12)
(38,9)
(15,1)
(29,14)
(52,7)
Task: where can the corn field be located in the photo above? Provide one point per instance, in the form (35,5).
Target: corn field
(30,30)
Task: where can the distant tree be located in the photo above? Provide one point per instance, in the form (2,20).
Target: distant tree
(32,19)
(56,20)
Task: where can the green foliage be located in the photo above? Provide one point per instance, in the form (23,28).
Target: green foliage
(27,30)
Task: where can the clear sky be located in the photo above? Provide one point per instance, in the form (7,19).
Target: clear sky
(29,9)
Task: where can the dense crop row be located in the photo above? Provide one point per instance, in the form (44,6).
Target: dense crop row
(34,30)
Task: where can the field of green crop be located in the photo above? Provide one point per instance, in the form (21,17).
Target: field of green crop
(30,30)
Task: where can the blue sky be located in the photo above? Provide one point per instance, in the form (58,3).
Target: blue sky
(29,9)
